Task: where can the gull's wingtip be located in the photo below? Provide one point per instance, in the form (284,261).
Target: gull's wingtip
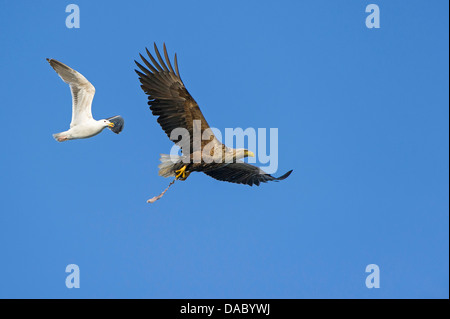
(118,121)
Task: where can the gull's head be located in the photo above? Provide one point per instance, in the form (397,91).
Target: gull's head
(107,123)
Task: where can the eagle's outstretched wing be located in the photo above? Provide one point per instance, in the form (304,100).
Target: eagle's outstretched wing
(170,100)
(243,173)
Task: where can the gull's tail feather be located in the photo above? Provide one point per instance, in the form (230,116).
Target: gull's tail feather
(61,137)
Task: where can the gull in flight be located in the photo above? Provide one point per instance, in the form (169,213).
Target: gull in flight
(83,124)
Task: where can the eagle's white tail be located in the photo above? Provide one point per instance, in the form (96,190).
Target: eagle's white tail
(168,163)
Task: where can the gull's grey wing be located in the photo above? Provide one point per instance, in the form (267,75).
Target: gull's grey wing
(118,123)
(82,91)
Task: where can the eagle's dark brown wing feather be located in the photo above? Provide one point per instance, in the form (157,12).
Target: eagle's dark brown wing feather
(168,97)
(243,173)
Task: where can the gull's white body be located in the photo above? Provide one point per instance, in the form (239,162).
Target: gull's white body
(83,124)
(86,129)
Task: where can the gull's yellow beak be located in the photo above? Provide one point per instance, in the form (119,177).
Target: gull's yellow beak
(111,124)
(250,154)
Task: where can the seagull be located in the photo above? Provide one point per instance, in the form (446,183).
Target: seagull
(83,124)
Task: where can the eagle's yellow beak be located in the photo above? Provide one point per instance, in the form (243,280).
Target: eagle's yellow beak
(250,154)
(111,124)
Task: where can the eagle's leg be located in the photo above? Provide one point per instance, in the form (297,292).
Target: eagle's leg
(181,174)
(185,175)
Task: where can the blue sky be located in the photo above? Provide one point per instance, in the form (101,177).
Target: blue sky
(362,118)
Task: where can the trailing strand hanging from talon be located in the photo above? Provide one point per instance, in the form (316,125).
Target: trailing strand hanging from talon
(154,199)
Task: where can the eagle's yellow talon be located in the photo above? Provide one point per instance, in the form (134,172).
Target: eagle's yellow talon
(181,172)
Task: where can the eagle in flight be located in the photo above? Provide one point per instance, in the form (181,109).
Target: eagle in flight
(181,119)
